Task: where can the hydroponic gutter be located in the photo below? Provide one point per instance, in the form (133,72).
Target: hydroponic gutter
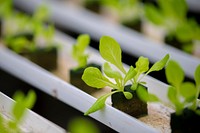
(47,82)
(133,43)
(31,122)
(60,89)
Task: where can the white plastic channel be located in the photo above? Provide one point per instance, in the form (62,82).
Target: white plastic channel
(32,122)
(83,21)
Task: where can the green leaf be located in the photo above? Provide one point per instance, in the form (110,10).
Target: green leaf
(83,42)
(30,99)
(187,30)
(174,73)
(111,73)
(110,50)
(188,90)
(6,8)
(18,44)
(159,64)
(82,61)
(79,48)
(153,14)
(41,14)
(166,8)
(82,125)
(99,104)
(22,102)
(172,95)
(130,74)
(18,108)
(48,32)
(197,76)
(173,9)
(142,93)
(134,86)
(180,8)
(128,95)
(153,98)
(93,77)
(142,65)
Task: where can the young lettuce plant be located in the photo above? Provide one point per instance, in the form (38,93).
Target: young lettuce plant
(111,52)
(19,107)
(81,56)
(128,11)
(78,50)
(180,31)
(31,38)
(182,94)
(168,14)
(23,35)
(188,33)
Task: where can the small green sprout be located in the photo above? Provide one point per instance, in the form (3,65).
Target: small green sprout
(172,16)
(182,94)
(28,31)
(188,32)
(19,108)
(41,14)
(111,52)
(168,14)
(78,50)
(127,10)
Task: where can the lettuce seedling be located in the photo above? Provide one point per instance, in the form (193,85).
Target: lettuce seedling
(188,32)
(29,32)
(21,103)
(40,29)
(182,94)
(180,31)
(116,76)
(41,14)
(168,14)
(78,50)
(127,10)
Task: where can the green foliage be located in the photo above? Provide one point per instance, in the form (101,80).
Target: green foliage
(15,36)
(110,51)
(41,14)
(126,9)
(78,50)
(190,30)
(182,94)
(20,44)
(172,16)
(19,108)
(6,8)
(168,14)
(113,69)
(82,125)
(99,104)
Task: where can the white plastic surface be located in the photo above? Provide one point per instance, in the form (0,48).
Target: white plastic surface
(32,122)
